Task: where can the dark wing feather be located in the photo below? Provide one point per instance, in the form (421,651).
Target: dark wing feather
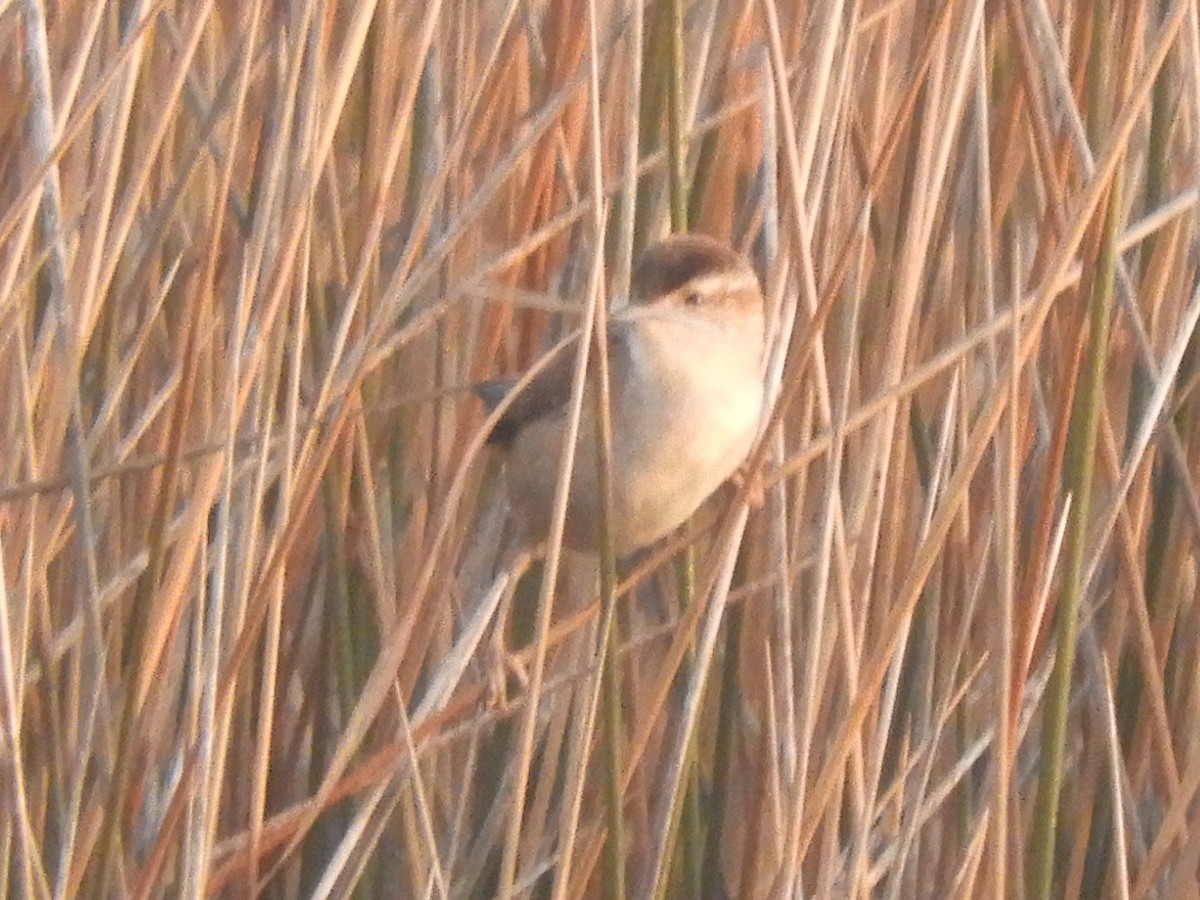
(550,391)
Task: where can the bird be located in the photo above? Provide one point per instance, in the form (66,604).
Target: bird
(687,368)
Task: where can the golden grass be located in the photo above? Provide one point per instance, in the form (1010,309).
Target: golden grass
(252,256)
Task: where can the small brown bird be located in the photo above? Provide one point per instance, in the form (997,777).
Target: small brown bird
(686,370)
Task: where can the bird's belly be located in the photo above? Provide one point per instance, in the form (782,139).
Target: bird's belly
(675,441)
(665,467)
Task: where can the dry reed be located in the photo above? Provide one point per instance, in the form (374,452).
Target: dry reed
(252,257)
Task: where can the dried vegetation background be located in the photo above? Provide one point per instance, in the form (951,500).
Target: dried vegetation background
(253,254)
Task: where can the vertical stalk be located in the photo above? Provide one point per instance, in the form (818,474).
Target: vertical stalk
(1165,485)
(676,123)
(610,672)
(691,847)
(1078,479)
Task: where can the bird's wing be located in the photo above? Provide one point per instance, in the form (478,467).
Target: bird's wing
(545,395)
(549,392)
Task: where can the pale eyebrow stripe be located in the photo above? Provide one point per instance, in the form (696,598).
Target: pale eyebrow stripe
(728,281)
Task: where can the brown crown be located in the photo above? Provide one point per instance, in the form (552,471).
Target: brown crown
(667,266)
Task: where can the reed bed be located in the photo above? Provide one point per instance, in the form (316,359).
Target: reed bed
(252,258)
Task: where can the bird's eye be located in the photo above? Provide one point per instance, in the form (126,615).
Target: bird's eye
(692,298)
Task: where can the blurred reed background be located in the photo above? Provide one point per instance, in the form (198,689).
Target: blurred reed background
(251,257)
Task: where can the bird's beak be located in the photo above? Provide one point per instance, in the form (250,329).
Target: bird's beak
(617,304)
(629,313)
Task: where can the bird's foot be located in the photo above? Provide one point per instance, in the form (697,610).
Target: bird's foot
(751,481)
(498,665)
